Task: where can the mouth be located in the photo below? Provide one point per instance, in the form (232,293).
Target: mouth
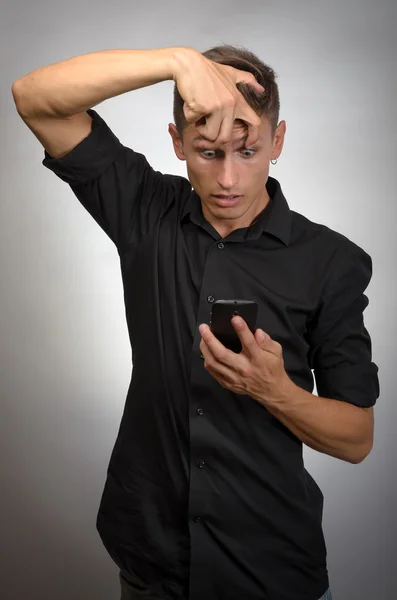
(226,200)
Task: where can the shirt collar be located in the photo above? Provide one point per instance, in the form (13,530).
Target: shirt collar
(275,219)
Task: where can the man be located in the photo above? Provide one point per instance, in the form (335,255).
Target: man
(206,496)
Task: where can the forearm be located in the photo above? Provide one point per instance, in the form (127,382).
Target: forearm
(79,83)
(333,427)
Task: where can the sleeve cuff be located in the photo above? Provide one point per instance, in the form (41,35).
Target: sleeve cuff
(360,384)
(90,157)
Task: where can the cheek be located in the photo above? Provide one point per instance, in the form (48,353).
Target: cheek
(199,173)
(259,173)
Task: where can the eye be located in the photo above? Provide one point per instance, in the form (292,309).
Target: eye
(248,150)
(202,151)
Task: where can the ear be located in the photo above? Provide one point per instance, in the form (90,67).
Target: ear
(177,141)
(278,140)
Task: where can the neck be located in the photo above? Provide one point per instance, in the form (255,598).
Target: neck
(225,226)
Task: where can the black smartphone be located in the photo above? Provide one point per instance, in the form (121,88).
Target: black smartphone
(221,320)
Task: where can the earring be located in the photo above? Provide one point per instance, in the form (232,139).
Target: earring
(274,163)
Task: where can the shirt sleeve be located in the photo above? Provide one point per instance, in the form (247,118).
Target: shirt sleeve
(115,184)
(340,345)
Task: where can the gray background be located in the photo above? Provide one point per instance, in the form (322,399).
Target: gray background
(65,357)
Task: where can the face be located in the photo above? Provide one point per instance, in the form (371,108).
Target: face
(229,169)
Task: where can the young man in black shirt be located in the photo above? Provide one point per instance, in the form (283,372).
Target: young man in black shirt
(206,496)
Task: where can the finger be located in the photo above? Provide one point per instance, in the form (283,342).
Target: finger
(221,372)
(207,125)
(247,338)
(268,344)
(250,80)
(191,115)
(253,129)
(227,124)
(217,349)
(210,125)
(245,113)
(253,136)
(204,129)
(204,350)
(261,337)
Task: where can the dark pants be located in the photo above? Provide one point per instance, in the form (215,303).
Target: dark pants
(136,591)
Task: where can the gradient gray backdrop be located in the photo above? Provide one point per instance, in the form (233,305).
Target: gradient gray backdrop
(65,357)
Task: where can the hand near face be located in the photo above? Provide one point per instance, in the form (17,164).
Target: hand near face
(210,94)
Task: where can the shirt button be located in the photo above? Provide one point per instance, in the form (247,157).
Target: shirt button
(210,298)
(197,519)
(199,411)
(221,245)
(201,464)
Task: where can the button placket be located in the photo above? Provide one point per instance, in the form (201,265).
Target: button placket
(210,299)
(200,498)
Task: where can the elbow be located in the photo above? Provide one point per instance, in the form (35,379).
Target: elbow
(23,100)
(17,94)
(360,457)
(361,451)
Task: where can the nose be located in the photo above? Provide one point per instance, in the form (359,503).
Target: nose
(227,176)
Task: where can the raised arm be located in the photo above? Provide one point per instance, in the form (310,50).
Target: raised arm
(53,100)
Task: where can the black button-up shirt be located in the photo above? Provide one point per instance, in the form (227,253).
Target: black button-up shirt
(206,496)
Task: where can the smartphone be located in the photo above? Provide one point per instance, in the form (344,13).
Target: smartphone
(221,323)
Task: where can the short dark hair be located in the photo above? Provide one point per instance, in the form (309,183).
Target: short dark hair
(264,104)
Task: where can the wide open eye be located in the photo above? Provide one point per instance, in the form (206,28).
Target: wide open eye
(202,153)
(248,150)
(203,150)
